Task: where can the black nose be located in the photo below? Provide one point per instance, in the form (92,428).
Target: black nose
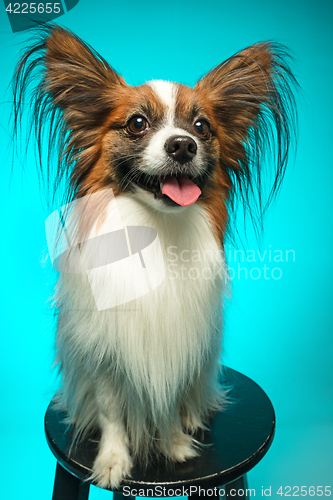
(181,148)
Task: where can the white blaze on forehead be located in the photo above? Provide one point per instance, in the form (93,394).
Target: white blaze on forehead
(166,92)
(154,156)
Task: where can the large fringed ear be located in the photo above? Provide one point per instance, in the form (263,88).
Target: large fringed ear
(252,97)
(71,91)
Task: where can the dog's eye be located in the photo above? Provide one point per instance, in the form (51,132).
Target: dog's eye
(137,125)
(202,129)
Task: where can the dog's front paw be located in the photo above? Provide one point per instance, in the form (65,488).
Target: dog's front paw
(110,468)
(182,447)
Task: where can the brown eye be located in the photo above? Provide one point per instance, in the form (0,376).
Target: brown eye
(202,129)
(137,125)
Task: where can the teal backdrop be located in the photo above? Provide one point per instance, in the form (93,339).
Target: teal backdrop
(278,319)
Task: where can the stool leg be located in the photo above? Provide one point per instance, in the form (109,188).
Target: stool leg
(69,487)
(238,488)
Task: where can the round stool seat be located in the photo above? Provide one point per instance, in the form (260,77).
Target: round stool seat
(237,440)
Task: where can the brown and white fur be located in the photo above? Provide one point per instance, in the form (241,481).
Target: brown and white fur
(146,372)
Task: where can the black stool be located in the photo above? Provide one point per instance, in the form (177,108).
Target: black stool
(239,437)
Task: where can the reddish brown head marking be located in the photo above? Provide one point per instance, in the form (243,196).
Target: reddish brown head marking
(223,125)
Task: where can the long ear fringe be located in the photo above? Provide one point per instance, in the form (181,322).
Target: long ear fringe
(270,141)
(50,121)
(271,134)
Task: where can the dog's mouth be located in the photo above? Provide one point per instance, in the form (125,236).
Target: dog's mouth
(179,189)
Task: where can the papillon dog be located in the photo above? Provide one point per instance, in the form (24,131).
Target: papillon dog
(144,368)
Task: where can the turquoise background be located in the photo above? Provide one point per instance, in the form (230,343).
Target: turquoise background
(277,331)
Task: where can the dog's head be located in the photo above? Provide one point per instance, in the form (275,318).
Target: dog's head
(168,144)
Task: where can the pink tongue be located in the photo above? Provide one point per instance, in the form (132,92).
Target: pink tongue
(181,190)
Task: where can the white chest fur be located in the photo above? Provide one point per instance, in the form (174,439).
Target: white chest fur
(155,345)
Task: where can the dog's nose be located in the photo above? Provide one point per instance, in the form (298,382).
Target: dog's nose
(181,148)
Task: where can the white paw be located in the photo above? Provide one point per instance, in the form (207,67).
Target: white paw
(110,468)
(182,448)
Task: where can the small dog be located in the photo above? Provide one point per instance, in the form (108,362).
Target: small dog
(175,159)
